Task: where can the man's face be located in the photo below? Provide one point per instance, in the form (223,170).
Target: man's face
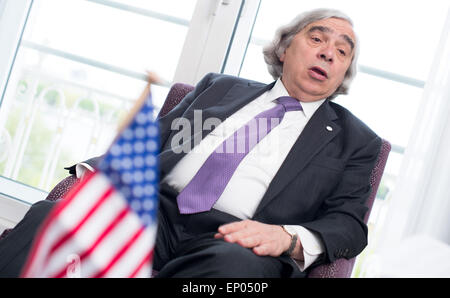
(315,63)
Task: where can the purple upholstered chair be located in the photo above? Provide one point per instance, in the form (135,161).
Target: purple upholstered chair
(341,268)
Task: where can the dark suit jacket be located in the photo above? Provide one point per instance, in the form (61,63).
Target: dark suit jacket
(323,183)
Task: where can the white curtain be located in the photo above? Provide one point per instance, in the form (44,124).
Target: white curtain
(420,203)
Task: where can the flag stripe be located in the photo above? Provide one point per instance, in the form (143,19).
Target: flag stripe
(38,250)
(88,233)
(108,229)
(112,225)
(145,261)
(111,244)
(69,217)
(134,255)
(120,253)
(68,235)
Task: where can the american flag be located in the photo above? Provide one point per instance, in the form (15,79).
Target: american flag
(106,226)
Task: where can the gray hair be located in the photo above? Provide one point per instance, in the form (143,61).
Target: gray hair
(285,34)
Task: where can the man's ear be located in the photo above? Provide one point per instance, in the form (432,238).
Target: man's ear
(283,56)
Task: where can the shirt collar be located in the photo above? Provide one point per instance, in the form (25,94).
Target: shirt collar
(309,108)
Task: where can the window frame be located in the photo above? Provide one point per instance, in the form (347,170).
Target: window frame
(13,19)
(210,18)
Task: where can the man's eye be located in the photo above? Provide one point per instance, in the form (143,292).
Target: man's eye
(316,39)
(342,52)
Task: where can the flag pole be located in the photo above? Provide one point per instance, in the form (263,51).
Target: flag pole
(152,78)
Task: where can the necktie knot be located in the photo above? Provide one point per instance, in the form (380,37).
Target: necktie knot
(290,103)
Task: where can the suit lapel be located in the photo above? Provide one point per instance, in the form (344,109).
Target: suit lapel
(238,96)
(313,138)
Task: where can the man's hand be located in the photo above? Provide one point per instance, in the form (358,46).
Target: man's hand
(264,239)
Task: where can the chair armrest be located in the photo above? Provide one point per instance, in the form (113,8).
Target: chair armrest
(341,268)
(61,189)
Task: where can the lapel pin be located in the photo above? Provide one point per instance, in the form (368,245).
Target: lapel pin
(329,128)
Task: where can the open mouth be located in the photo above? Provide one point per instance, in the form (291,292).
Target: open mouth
(322,74)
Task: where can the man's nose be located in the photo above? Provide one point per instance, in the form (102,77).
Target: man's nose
(326,53)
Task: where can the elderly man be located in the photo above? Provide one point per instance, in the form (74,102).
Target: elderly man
(268,210)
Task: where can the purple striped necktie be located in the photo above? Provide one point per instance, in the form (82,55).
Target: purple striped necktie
(208,184)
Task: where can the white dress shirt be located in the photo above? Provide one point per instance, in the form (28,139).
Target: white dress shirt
(252,177)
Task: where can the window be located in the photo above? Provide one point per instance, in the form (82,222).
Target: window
(77,71)
(397,47)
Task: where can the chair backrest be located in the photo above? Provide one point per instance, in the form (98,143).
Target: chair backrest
(61,189)
(341,267)
(175,95)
